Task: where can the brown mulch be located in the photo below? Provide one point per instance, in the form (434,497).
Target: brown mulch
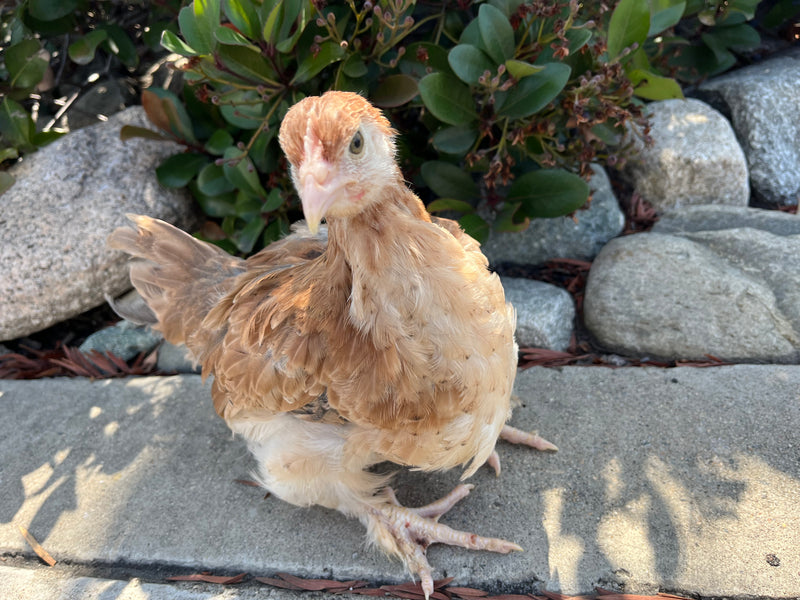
(65,361)
(411,591)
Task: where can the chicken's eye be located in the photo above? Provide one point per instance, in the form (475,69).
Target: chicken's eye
(357,143)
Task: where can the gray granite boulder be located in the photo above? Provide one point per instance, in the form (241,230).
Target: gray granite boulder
(712,217)
(563,237)
(694,159)
(55,219)
(763,103)
(127,340)
(723,286)
(545,313)
(124,339)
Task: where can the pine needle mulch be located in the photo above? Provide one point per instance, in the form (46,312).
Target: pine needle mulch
(409,591)
(65,361)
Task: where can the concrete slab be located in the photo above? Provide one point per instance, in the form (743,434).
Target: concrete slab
(684,480)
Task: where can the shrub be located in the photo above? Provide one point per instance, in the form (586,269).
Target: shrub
(502,102)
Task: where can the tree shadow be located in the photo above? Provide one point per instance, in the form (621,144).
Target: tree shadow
(662,482)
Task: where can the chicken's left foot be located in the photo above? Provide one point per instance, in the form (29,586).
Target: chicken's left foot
(414,529)
(517,436)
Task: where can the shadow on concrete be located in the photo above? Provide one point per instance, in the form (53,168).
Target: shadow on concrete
(683,480)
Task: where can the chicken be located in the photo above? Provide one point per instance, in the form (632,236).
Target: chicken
(381,337)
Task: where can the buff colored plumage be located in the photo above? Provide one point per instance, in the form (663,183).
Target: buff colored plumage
(381,337)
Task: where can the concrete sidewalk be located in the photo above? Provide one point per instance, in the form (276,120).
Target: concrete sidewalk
(682,480)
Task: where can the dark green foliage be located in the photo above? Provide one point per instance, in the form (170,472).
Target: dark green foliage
(43,40)
(485,94)
(500,102)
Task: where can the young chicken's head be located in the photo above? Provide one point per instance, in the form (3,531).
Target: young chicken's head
(342,154)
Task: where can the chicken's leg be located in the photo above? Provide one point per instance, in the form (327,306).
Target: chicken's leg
(305,462)
(518,436)
(407,532)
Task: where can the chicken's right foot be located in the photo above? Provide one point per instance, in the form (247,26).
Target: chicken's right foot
(412,530)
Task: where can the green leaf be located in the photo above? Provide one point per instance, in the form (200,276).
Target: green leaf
(243,15)
(264,153)
(429,55)
(16,125)
(721,53)
(214,206)
(25,63)
(354,66)
(736,37)
(296,14)
(274,201)
(50,10)
(218,142)
(449,181)
(654,87)
(242,110)
(243,174)
(664,14)
(455,140)
(577,39)
(469,63)
(472,35)
(548,193)
(8,154)
(275,230)
(119,43)
(779,13)
(496,33)
(475,226)
(272,23)
(443,204)
(329,52)
(152,34)
(534,92)
(520,69)
(629,25)
(179,169)
(226,35)
(507,219)
(198,23)
(448,99)
(246,62)
(128,132)
(6,181)
(42,138)
(211,180)
(248,235)
(746,8)
(82,50)
(395,90)
(173,43)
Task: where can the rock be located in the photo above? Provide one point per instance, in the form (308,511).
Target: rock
(715,217)
(545,313)
(763,105)
(694,158)
(763,257)
(658,295)
(563,237)
(125,340)
(175,359)
(68,197)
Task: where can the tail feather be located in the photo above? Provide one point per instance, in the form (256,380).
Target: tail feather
(179,277)
(134,310)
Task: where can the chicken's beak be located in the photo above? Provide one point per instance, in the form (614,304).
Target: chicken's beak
(320,187)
